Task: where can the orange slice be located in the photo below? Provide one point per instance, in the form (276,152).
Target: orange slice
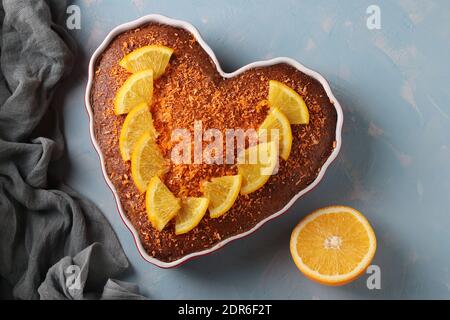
(191,213)
(147,161)
(137,89)
(153,57)
(289,102)
(257,171)
(222,192)
(276,120)
(160,203)
(137,122)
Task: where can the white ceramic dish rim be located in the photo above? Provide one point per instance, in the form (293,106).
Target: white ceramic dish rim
(187,26)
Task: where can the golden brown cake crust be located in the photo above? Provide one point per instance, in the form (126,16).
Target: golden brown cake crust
(192,89)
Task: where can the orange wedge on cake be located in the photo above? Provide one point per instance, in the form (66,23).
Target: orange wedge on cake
(289,102)
(137,89)
(222,192)
(153,57)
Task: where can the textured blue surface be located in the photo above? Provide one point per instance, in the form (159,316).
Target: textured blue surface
(394,87)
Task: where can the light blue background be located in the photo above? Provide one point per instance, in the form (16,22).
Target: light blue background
(394,166)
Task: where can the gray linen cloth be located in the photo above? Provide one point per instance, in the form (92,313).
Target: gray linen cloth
(53,243)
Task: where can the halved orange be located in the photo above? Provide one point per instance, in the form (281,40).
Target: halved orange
(333,245)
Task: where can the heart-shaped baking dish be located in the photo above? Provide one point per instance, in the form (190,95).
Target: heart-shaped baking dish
(315,145)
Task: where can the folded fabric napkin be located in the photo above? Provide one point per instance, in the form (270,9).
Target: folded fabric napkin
(53,243)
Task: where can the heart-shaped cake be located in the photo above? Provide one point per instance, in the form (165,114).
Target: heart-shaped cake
(186,89)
